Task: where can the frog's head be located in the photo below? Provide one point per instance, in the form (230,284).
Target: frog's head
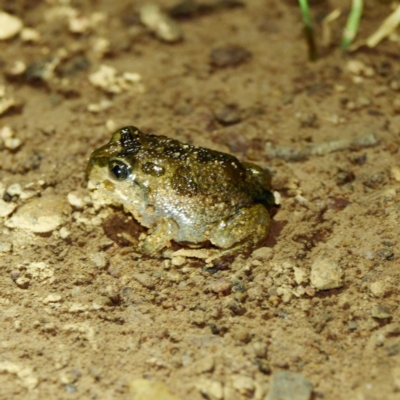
(111,168)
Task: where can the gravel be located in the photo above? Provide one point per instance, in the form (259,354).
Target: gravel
(326,274)
(289,386)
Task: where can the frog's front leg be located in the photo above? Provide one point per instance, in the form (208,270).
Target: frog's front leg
(159,236)
(246,228)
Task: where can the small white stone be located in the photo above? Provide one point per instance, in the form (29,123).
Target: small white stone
(6,208)
(300,275)
(6,132)
(39,271)
(64,233)
(243,384)
(378,288)
(12,143)
(211,389)
(52,298)
(9,26)
(30,35)
(75,200)
(326,274)
(40,215)
(5,247)
(14,190)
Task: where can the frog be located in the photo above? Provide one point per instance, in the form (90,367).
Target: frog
(182,193)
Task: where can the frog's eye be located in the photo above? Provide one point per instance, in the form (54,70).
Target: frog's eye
(119,170)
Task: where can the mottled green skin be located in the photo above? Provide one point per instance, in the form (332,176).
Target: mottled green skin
(183,193)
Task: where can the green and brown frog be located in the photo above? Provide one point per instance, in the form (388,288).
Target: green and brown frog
(183,193)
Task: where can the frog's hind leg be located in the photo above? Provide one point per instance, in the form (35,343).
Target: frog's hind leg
(246,228)
(159,236)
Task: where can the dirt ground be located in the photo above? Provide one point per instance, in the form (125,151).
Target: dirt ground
(83,315)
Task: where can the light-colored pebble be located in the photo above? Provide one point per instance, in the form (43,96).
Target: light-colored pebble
(381,312)
(40,215)
(14,190)
(30,35)
(243,384)
(396,173)
(5,247)
(164,27)
(9,25)
(326,274)
(64,232)
(39,271)
(178,261)
(205,364)
(99,260)
(76,200)
(145,280)
(300,275)
(6,208)
(101,303)
(12,143)
(378,288)
(213,390)
(262,254)
(52,298)
(23,282)
(260,349)
(145,389)
(221,286)
(108,79)
(289,386)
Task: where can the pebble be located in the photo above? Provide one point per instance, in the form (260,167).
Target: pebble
(5,247)
(212,390)
(144,279)
(39,271)
(378,288)
(221,286)
(242,335)
(145,389)
(101,303)
(108,79)
(227,115)
(12,143)
(75,200)
(244,385)
(263,253)
(64,233)
(289,386)
(229,56)
(6,208)
(99,260)
(300,275)
(14,190)
(326,274)
(9,25)
(381,312)
(52,298)
(40,215)
(205,364)
(30,35)
(260,349)
(164,27)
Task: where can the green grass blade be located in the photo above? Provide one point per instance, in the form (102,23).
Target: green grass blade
(308,30)
(353,21)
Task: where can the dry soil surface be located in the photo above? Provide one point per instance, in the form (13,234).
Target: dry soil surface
(313,313)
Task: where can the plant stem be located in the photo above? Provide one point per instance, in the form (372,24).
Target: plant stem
(353,21)
(308,30)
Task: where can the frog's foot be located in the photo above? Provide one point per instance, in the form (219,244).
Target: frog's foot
(159,237)
(246,228)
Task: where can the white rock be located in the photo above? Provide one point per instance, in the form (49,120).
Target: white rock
(145,389)
(6,208)
(289,386)
(5,247)
(160,23)
(12,143)
(300,275)
(213,390)
(30,35)
(52,298)
(39,271)
(243,384)
(75,200)
(9,26)
(64,233)
(40,215)
(14,190)
(326,274)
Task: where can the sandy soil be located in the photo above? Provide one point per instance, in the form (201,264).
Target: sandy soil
(83,315)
